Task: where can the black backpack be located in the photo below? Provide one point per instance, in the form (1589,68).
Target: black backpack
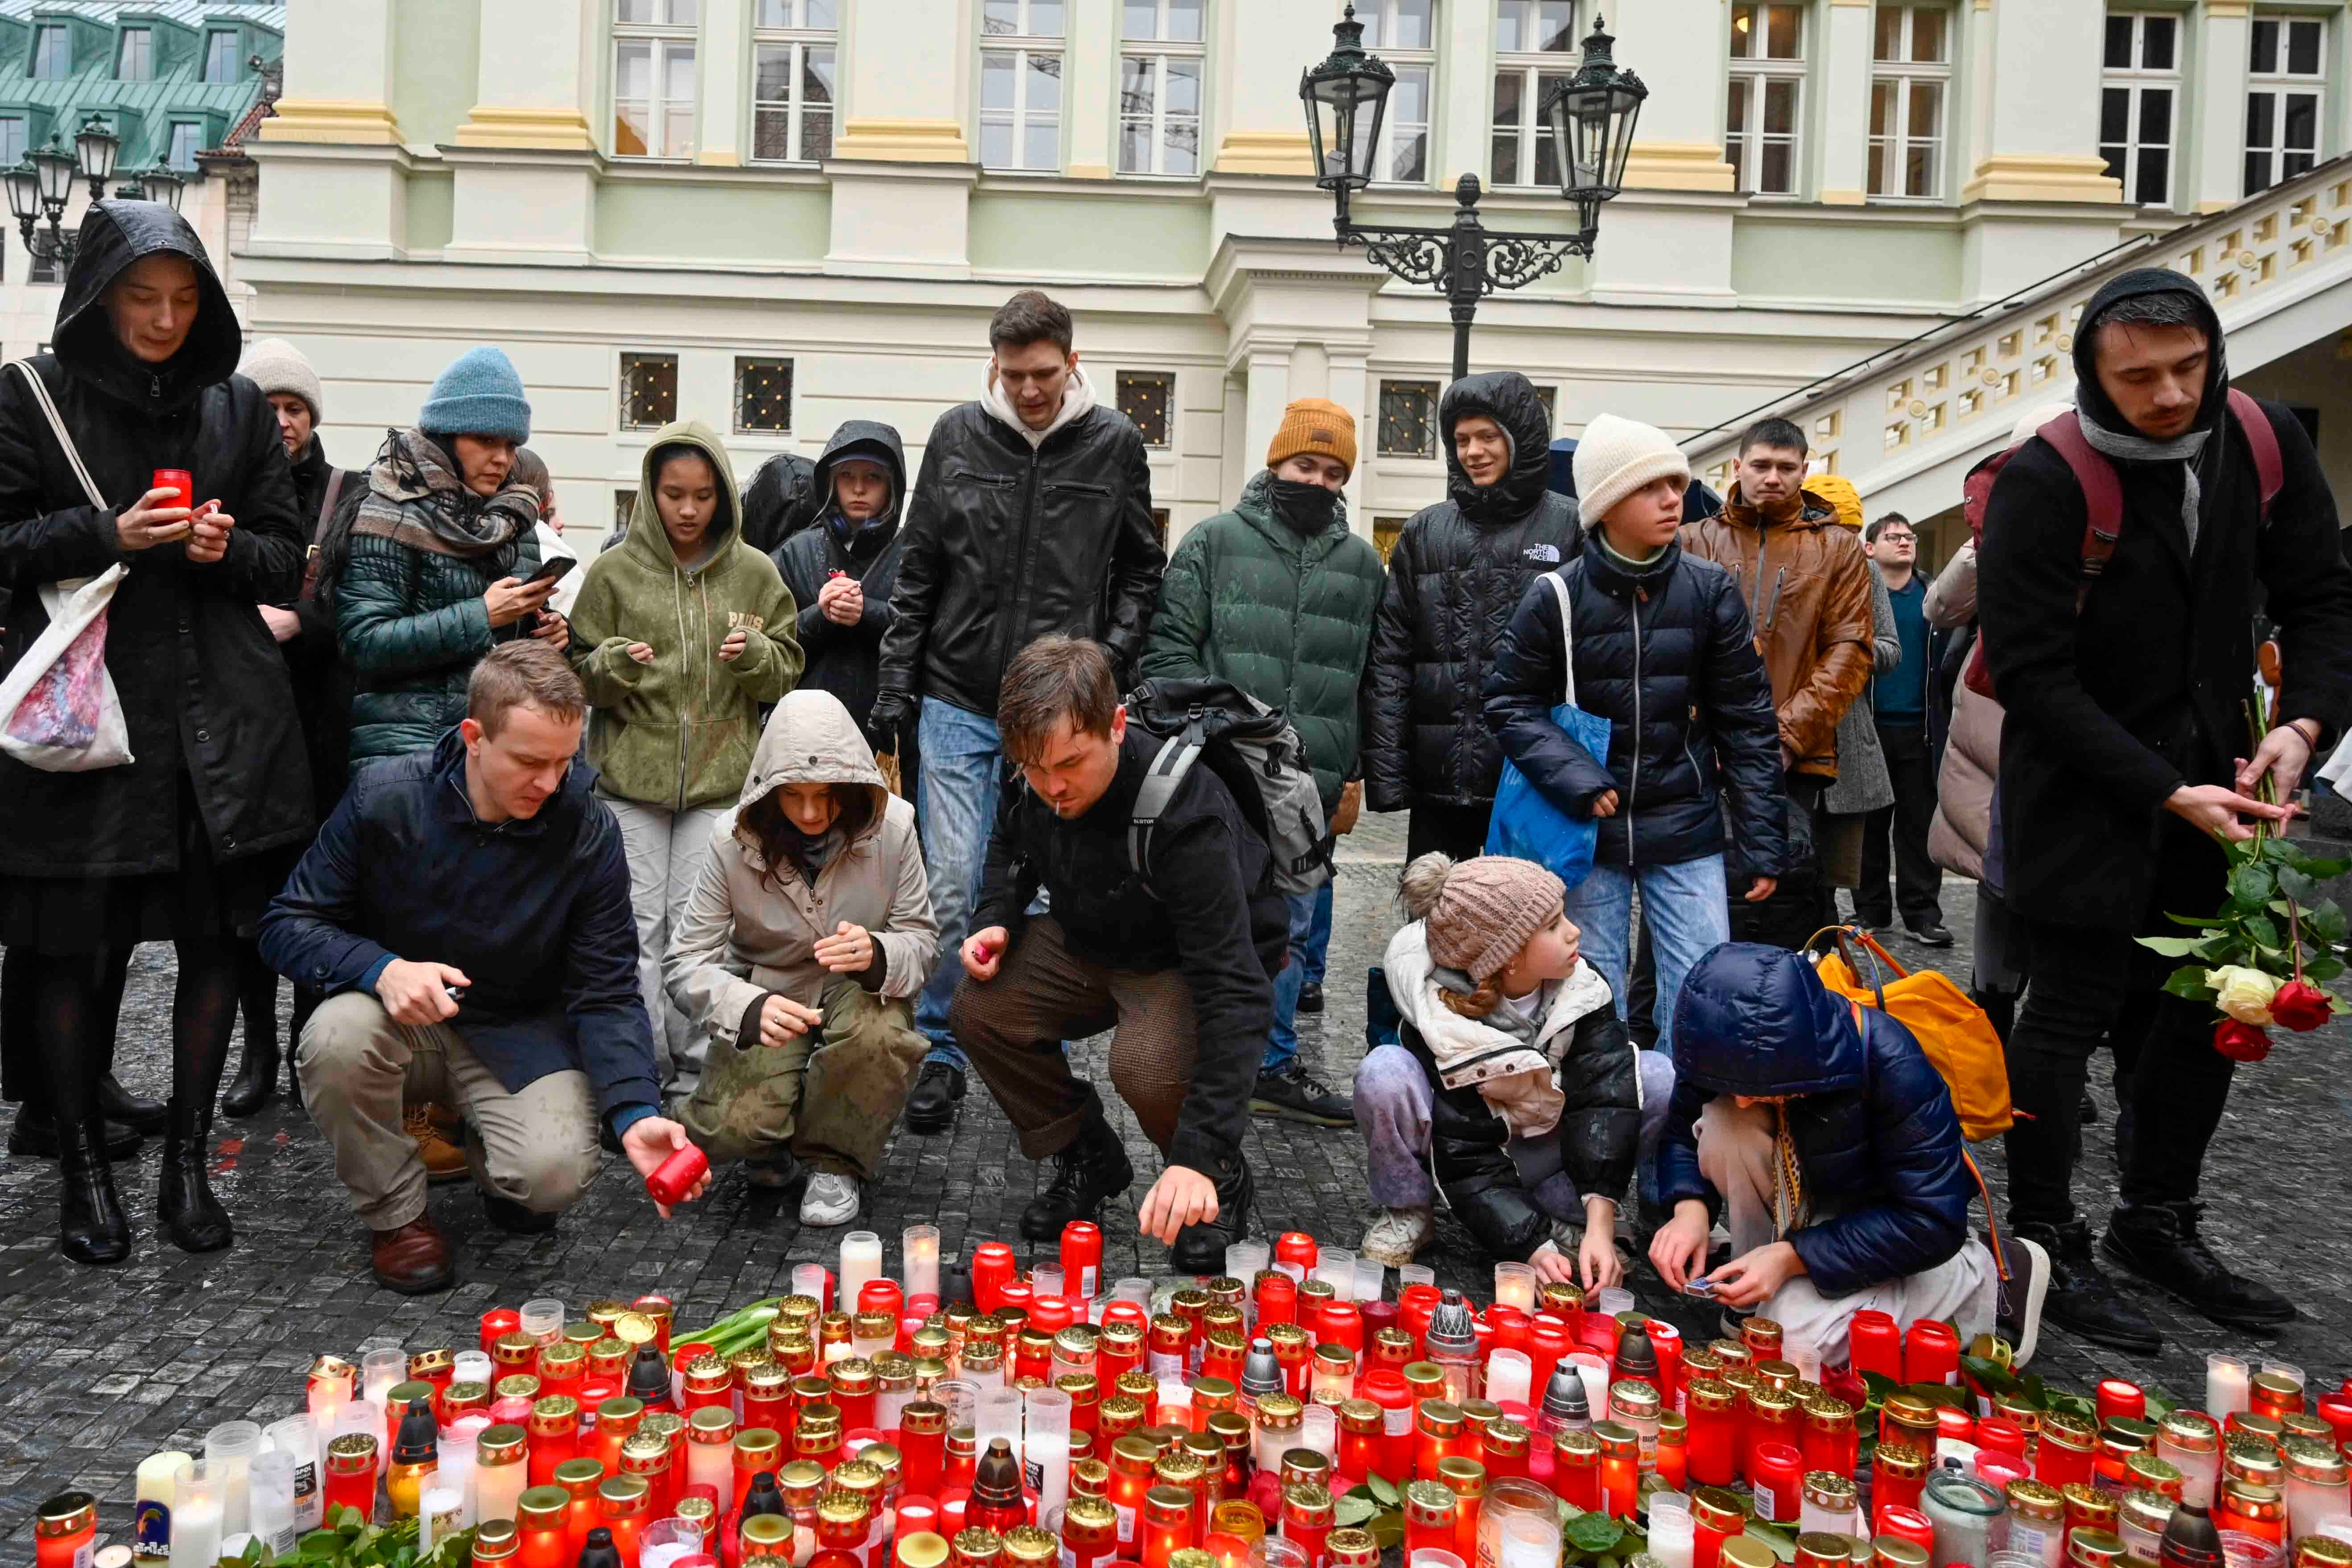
(1252,748)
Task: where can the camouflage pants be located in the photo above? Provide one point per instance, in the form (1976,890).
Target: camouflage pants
(829,1096)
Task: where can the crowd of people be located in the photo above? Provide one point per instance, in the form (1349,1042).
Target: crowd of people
(810,797)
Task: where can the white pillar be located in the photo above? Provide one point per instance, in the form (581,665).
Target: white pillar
(2217,101)
(1310,371)
(895,54)
(1269,394)
(1677,47)
(723,57)
(331,158)
(1844,119)
(339,75)
(1089,89)
(538,75)
(1263,48)
(1466,69)
(2042,132)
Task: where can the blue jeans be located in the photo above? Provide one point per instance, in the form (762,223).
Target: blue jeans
(1282,1045)
(1688,918)
(1318,936)
(956,813)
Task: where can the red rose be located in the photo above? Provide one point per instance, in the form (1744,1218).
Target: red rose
(2300,1006)
(2240,1042)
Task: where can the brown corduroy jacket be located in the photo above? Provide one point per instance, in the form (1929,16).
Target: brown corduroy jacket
(1807,584)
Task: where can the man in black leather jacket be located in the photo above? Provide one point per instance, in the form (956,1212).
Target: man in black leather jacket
(1032,516)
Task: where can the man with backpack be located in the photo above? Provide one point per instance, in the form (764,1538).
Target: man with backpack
(1168,934)
(2123,549)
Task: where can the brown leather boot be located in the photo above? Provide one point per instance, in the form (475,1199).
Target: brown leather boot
(413,1260)
(432,1129)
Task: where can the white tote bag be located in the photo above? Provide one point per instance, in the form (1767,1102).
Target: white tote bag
(59,710)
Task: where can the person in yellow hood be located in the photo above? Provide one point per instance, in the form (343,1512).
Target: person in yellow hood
(681,632)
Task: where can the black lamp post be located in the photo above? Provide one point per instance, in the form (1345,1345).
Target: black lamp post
(41,188)
(1590,118)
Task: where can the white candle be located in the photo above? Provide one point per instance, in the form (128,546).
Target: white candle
(919,1252)
(1372,1279)
(471,1366)
(1515,1285)
(1246,1260)
(1046,1280)
(2225,1386)
(542,1320)
(1318,1428)
(1673,1539)
(379,1370)
(661,1554)
(197,1520)
(1508,1373)
(1414,1274)
(861,1260)
(2292,1374)
(229,1448)
(996,1414)
(1045,1420)
(160,1477)
(439,1510)
(269,1500)
(297,1438)
(1595,1373)
(808,1279)
(1336,1266)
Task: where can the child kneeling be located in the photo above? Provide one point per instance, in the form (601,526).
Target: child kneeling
(1827,1141)
(1511,1075)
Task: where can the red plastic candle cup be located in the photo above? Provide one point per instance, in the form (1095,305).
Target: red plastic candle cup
(2001,1437)
(1052,1314)
(916,1514)
(1877,1344)
(2119,1396)
(1779,1482)
(1931,1354)
(1547,1340)
(1013,1298)
(176,480)
(675,1177)
(2336,1409)
(1907,1523)
(1082,1250)
(1129,1312)
(1297,1247)
(1666,1341)
(991,1270)
(1509,1329)
(908,1322)
(499,1321)
(1339,1323)
(1997,1469)
(880,1296)
(1956,1425)
(1277,1299)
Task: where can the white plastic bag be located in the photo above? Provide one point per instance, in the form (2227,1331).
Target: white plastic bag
(58,710)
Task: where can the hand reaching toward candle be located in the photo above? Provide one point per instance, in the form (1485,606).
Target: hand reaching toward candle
(1679,1248)
(1182,1197)
(648,1141)
(1750,1279)
(1596,1255)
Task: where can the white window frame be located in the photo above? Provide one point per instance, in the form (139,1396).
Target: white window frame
(172,142)
(1533,132)
(43,31)
(236,65)
(663,41)
(1753,74)
(1026,47)
(1158,56)
(799,43)
(1379,17)
(145,37)
(2136,80)
(2278,85)
(1907,76)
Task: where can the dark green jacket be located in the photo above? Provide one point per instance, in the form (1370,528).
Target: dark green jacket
(1289,620)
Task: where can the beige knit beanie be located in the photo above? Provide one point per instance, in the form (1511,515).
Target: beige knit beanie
(1480,912)
(1615,456)
(275,366)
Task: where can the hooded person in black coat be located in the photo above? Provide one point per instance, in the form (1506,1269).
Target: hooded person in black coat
(2125,718)
(186,842)
(1457,571)
(845,655)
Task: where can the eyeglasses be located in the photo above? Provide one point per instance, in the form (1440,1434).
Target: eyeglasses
(1897,538)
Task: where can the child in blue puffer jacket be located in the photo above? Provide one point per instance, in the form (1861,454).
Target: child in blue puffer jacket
(1827,1141)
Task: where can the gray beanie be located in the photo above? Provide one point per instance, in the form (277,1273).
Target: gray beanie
(275,366)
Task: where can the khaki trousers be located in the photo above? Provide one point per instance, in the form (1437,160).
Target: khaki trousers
(536,1146)
(830,1096)
(1013,1027)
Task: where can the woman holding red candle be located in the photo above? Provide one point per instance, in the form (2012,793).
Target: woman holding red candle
(1795,1103)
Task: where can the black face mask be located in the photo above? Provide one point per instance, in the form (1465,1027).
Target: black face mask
(1307,508)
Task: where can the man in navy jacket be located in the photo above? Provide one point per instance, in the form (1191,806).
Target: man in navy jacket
(1828,1141)
(488,849)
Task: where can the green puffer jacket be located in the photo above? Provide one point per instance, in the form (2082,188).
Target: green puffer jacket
(1289,620)
(411,621)
(679,731)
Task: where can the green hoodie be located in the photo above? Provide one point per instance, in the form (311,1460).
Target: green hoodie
(678,733)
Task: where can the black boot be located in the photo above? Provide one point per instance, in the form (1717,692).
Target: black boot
(2080,1300)
(1089,1172)
(34,1135)
(186,1209)
(932,1103)
(90,1224)
(135,1111)
(1201,1248)
(2159,1243)
(256,1074)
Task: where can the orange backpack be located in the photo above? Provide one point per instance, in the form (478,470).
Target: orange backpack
(1950,1029)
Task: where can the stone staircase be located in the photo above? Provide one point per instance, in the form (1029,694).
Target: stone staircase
(1906,425)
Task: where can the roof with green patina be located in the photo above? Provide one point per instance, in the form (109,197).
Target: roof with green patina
(144,112)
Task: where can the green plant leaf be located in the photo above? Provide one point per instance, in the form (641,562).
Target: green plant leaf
(1879,1386)
(2322,968)
(1778,1542)
(2324,922)
(1352,1510)
(2171,946)
(2161,1401)
(1384,1489)
(2324,870)
(2253,883)
(2265,933)
(1594,1532)
(2296,885)
(2188,983)
(1387,1529)
(1989,1375)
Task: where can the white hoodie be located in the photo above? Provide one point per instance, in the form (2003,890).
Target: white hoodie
(1077,398)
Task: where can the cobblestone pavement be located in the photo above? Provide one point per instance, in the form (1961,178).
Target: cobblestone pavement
(107,1366)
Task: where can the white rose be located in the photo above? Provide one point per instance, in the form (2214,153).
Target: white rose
(2243,993)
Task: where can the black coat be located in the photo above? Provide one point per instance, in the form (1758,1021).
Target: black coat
(1668,657)
(2111,709)
(846,660)
(1004,543)
(782,500)
(204,690)
(322,682)
(1457,571)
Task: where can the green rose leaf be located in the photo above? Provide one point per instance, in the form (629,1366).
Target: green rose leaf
(2294,884)
(1383,1490)
(2324,922)
(2322,968)
(1352,1510)
(2252,883)
(1594,1532)
(2171,946)
(2188,983)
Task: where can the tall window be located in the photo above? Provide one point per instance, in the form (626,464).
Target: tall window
(1159,71)
(763,394)
(2141,84)
(652,77)
(1909,78)
(12,141)
(1405,33)
(185,139)
(1407,427)
(1021,84)
(648,391)
(136,59)
(52,51)
(2285,84)
(1534,45)
(1766,105)
(1149,397)
(793,65)
(221,61)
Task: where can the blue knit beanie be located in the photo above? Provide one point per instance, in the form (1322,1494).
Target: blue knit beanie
(479,395)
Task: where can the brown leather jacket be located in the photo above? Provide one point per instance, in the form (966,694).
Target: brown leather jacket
(1807,584)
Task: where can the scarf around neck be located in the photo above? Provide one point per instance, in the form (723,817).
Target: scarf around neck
(2135,447)
(416,497)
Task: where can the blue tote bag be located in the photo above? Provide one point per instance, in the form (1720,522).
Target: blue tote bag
(1527,822)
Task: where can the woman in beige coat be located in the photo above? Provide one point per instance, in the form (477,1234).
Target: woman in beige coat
(799,954)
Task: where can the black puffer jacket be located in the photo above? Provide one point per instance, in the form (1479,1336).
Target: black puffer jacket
(1005,542)
(782,500)
(846,660)
(1458,571)
(204,690)
(1666,653)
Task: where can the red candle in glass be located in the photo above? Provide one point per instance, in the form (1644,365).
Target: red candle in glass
(881,1296)
(1081,1260)
(2000,1435)
(1931,1353)
(917,1514)
(1339,1323)
(1385,1386)
(1997,1469)
(1547,1340)
(1277,1299)
(1958,1424)
(1013,1298)
(1714,1521)
(1876,1344)
(1907,1523)
(1666,1342)
(1377,1315)
(499,1321)
(2336,1409)
(1779,1482)
(1297,1247)
(1576,1468)
(1714,1419)
(991,1270)
(176,480)
(676,1175)
(2119,1396)
(1508,1330)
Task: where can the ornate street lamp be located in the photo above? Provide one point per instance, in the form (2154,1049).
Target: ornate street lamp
(161,184)
(1590,119)
(42,186)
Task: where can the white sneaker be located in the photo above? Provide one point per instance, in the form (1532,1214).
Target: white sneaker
(831,1199)
(1397,1235)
